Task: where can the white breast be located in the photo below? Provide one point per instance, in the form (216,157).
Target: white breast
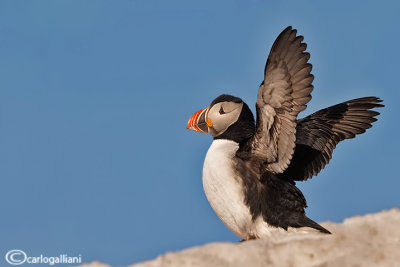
(224,191)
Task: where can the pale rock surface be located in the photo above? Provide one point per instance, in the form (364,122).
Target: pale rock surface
(370,240)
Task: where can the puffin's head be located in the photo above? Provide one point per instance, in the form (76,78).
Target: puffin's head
(227,117)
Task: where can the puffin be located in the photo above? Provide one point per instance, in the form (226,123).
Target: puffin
(252,166)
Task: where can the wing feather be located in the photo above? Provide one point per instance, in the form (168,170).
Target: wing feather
(284,92)
(318,134)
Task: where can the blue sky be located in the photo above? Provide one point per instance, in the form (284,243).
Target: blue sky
(95,96)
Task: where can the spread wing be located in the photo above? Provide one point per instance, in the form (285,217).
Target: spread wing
(284,92)
(318,134)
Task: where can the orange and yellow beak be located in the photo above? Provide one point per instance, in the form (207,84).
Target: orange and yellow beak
(198,121)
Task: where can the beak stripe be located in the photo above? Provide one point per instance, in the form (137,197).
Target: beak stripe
(194,121)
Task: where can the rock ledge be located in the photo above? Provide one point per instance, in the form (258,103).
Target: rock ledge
(370,240)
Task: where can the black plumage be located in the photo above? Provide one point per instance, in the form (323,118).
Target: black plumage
(279,202)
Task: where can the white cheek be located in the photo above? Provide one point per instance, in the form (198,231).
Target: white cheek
(220,124)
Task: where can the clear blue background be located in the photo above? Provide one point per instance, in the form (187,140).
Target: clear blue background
(95,96)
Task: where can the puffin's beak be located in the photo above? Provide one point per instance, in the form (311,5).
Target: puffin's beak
(198,121)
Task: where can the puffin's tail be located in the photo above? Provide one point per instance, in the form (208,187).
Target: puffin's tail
(310,223)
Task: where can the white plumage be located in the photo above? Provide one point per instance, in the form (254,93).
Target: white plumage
(224,191)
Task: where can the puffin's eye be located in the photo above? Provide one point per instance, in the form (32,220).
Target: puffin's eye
(221,111)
